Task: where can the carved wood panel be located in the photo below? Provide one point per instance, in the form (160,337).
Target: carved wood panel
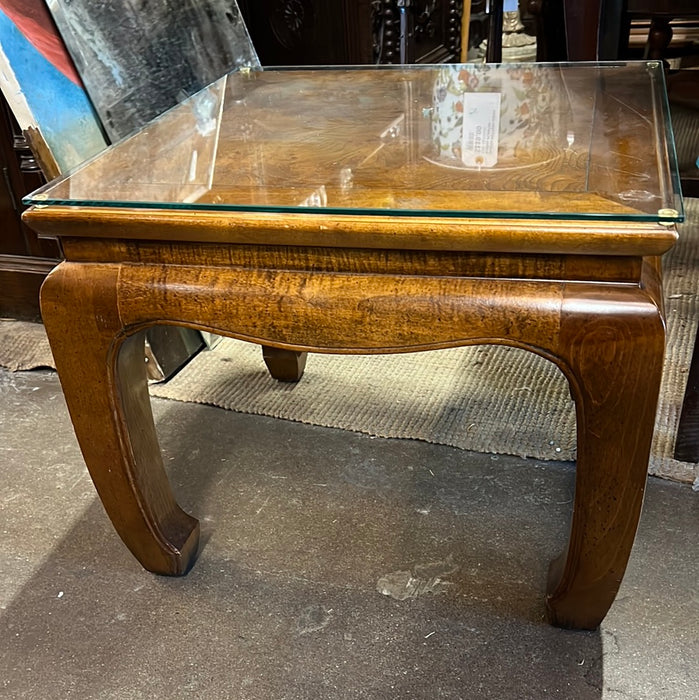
(336,32)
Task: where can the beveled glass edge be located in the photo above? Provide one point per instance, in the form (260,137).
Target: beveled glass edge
(434,66)
(667,215)
(27,199)
(667,135)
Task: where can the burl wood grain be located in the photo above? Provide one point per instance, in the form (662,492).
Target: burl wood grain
(573,299)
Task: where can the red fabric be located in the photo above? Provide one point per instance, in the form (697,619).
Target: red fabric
(33,19)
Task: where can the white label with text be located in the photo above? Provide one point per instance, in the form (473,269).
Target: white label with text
(479,144)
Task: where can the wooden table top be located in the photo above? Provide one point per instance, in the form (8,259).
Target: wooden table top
(386,157)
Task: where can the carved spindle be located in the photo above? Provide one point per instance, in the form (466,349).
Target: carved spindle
(454,14)
(391,33)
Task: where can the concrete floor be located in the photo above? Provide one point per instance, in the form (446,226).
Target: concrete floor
(301,526)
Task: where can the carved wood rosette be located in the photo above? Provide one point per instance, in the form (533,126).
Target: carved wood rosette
(289,20)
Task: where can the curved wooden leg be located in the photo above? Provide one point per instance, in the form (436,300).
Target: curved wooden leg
(284,365)
(613,353)
(104,381)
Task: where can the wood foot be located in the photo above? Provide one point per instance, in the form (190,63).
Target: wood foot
(103,375)
(613,355)
(284,365)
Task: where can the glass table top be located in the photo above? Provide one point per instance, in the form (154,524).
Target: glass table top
(557,141)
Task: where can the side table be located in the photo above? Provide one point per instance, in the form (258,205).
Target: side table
(356,211)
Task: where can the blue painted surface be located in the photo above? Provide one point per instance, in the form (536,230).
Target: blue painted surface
(61,109)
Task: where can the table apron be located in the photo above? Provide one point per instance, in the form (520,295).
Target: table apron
(356,313)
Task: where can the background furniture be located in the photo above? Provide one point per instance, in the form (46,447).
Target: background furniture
(25,259)
(345,32)
(603,29)
(541,18)
(616,17)
(342,32)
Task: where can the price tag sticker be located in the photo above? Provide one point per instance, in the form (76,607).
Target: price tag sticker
(479,141)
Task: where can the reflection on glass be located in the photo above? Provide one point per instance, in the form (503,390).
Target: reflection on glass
(181,173)
(556,141)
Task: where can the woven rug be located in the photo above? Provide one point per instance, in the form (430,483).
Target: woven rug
(23,346)
(488,398)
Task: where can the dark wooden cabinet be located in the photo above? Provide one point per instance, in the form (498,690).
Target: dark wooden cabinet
(24,258)
(336,32)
